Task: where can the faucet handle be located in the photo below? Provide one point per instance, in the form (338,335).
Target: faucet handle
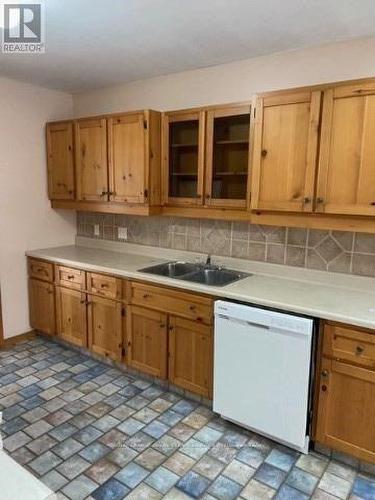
(208,260)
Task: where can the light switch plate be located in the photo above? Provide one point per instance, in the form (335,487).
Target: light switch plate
(122,233)
(96,230)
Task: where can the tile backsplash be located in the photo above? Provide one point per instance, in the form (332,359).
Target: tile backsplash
(337,251)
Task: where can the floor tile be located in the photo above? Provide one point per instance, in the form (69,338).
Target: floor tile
(270,475)
(101,471)
(94,452)
(150,459)
(63,431)
(45,462)
(145,492)
(310,463)
(140,441)
(131,426)
(88,435)
(179,463)
(122,456)
(193,484)
(209,467)
(170,417)
(15,441)
(288,493)
(54,480)
(79,488)
(113,438)
(302,480)
(194,449)
(132,474)
(224,488)
(257,491)
(73,466)
(41,444)
(239,472)
(105,423)
(111,490)
(156,429)
(162,480)
(67,448)
(283,461)
(364,488)
(334,485)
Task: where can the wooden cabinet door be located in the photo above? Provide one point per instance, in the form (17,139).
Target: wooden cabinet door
(42,306)
(147,341)
(127,158)
(346,410)
(190,355)
(183,158)
(105,326)
(60,161)
(346,176)
(71,316)
(285,151)
(91,159)
(227,156)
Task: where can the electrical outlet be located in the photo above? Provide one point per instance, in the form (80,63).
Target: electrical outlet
(96,230)
(122,233)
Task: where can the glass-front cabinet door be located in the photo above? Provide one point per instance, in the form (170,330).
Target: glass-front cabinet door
(227,156)
(183,158)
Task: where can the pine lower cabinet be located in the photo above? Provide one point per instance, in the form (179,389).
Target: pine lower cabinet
(190,355)
(147,341)
(105,326)
(42,306)
(71,316)
(346,405)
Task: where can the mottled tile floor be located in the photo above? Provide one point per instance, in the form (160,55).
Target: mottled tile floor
(88,430)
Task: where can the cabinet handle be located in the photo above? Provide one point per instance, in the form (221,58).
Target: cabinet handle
(104,285)
(103,193)
(170,328)
(325,373)
(146,295)
(192,308)
(71,277)
(208,196)
(83,302)
(319,200)
(306,200)
(264,153)
(372,203)
(359,349)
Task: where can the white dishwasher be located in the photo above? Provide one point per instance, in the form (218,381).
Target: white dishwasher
(262,363)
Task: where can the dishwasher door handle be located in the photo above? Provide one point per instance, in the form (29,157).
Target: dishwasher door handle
(244,322)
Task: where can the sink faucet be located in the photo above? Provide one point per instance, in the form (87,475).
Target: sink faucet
(208,260)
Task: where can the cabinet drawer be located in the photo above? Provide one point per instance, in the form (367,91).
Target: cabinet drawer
(70,278)
(105,286)
(169,300)
(40,269)
(350,344)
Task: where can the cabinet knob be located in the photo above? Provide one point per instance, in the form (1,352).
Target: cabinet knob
(325,373)
(146,295)
(324,388)
(319,200)
(170,328)
(306,200)
(372,203)
(359,349)
(192,308)
(264,152)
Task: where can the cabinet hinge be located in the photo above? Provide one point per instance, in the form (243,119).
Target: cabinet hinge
(255,112)
(146,193)
(145,124)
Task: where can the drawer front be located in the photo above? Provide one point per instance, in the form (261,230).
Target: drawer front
(70,278)
(40,269)
(346,343)
(195,307)
(105,286)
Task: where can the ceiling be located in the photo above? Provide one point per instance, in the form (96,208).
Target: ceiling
(95,43)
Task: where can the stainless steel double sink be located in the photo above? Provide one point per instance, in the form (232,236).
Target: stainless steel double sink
(206,274)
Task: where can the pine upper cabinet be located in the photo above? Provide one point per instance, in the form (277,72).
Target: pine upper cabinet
(285,151)
(42,306)
(183,157)
(105,326)
(227,156)
(60,161)
(190,355)
(147,341)
(71,316)
(346,179)
(134,158)
(91,159)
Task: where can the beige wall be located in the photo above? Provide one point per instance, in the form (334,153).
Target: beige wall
(26,219)
(236,81)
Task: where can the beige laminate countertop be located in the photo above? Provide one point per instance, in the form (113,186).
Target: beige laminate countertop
(332,296)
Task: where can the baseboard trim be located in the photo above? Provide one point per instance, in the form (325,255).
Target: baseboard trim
(11,341)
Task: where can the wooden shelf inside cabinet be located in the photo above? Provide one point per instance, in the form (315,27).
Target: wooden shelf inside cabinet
(234,142)
(186,145)
(184,174)
(229,174)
